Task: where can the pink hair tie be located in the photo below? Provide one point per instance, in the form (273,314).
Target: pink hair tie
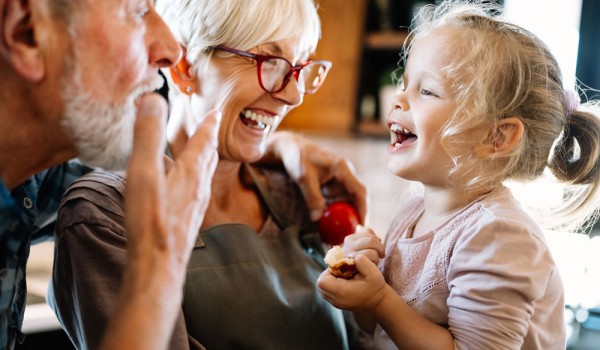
(572,101)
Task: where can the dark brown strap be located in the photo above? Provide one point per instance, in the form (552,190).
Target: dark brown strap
(275,209)
(311,241)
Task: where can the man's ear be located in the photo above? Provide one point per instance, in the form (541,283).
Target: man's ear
(18,43)
(183,77)
(503,139)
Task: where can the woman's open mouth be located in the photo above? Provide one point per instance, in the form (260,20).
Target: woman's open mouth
(400,136)
(256,120)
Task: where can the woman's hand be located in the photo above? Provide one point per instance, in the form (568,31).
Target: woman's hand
(317,172)
(164,209)
(163,213)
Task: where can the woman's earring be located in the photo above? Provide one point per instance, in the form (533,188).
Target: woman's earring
(189,89)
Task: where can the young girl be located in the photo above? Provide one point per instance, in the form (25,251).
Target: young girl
(465,267)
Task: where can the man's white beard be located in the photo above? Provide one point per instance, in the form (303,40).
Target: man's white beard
(102,133)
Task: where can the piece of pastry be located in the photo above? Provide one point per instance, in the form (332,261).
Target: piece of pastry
(339,264)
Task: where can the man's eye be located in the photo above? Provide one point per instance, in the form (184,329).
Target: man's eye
(142,12)
(142,9)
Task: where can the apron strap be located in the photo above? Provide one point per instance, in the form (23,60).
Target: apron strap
(279,216)
(311,241)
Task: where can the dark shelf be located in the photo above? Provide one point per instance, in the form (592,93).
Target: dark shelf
(385,40)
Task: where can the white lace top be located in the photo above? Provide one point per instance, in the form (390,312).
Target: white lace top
(486,274)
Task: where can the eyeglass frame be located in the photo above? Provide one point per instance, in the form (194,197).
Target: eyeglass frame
(294,69)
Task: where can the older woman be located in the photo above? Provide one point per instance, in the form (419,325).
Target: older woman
(250,281)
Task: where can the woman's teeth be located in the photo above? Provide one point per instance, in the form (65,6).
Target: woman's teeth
(257,121)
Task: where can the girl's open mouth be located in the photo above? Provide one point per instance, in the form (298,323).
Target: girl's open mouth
(400,135)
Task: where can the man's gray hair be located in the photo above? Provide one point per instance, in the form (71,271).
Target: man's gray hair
(64,10)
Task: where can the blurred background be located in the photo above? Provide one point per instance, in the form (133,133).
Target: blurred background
(363,38)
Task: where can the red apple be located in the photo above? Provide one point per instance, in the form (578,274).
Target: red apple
(338,221)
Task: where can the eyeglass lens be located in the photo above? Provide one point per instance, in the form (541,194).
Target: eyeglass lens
(274,74)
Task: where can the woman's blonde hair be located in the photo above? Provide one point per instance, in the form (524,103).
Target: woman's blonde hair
(241,24)
(501,70)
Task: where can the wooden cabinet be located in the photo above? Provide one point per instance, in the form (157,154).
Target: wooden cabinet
(363,55)
(332,108)
(380,59)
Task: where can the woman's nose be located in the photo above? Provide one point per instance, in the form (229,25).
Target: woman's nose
(291,95)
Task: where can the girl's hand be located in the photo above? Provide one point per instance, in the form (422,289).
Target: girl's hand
(364,242)
(362,293)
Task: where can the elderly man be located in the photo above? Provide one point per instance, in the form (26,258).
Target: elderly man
(73,73)
(76,77)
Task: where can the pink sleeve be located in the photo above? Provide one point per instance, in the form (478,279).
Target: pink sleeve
(497,271)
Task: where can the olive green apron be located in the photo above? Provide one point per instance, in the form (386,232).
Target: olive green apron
(247,292)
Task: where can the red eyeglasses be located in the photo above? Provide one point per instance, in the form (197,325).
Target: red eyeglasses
(274,72)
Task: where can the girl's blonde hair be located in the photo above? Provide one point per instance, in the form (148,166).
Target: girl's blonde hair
(241,24)
(501,70)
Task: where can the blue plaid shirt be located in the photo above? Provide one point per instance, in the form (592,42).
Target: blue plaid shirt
(27,216)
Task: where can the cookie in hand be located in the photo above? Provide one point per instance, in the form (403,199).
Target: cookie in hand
(339,264)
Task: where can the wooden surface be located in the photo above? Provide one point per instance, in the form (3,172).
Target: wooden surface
(332,108)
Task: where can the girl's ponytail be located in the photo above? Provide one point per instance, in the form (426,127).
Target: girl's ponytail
(576,162)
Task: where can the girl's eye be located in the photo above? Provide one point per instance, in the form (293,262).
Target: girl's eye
(427,93)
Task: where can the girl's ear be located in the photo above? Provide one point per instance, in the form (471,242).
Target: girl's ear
(503,139)
(183,77)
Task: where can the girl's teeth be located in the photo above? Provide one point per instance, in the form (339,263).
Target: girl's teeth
(395,128)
